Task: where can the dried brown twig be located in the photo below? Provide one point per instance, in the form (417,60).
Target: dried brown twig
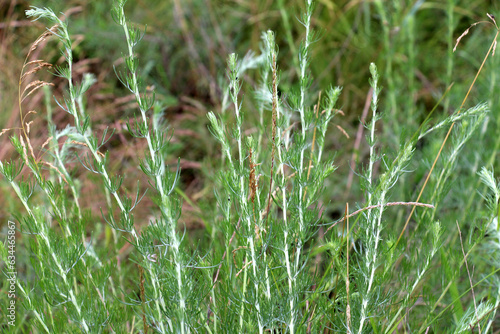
(414,204)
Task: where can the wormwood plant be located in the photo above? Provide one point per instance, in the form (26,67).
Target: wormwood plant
(275,262)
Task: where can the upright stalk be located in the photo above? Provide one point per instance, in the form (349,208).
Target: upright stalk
(154,166)
(304,85)
(246,210)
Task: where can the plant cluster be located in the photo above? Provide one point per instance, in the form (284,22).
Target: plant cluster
(272,259)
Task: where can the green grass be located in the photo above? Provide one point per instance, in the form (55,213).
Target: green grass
(253,174)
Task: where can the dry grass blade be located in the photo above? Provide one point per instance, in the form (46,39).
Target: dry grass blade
(47,141)
(492,18)
(25,154)
(463,35)
(57,170)
(31,84)
(28,125)
(338,111)
(42,38)
(414,204)
(40,66)
(83,144)
(344,132)
(4,131)
(34,62)
(30,147)
(35,85)
(245,266)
